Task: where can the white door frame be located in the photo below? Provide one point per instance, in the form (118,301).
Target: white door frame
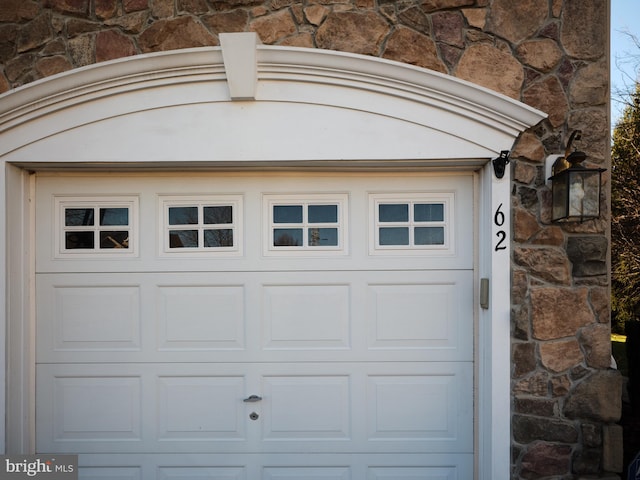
(215,107)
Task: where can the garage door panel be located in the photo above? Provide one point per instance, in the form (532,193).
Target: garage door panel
(307,407)
(427,409)
(301,466)
(276,316)
(427,316)
(202,473)
(89,408)
(110,473)
(142,407)
(416,473)
(201,317)
(306,316)
(90,317)
(200,407)
(304,407)
(307,473)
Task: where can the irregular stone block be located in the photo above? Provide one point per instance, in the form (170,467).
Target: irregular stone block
(516,24)
(35,34)
(353,32)
(596,342)
(523,356)
(182,32)
(560,356)
(583,35)
(549,264)
(226,22)
(405,45)
(111,45)
(544,459)
(525,225)
(543,55)
(18,10)
(275,27)
(69,6)
(559,312)
(548,95)
(588,254)
(51,65)
(528,429)
(478,65)
(598,397)
(541,407)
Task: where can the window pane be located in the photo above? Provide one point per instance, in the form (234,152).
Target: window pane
(217,215)
(114,239)
(428,212)
(114,216)
(287,237)
(323,213)
(76,240)
(183,238)
(183,215)
(429,236)
(78,216)
(287,214)
(323,237)
(218,238)
(394,236)
(390,212)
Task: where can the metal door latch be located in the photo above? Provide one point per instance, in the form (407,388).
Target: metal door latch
(252,399)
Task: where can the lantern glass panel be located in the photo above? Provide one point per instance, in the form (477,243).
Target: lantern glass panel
(560,193)
(576,194)
(584,193)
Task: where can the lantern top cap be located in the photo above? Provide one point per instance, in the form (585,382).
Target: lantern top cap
(570,159)
(575,158)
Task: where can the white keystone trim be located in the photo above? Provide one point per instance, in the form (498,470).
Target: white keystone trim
(240,64)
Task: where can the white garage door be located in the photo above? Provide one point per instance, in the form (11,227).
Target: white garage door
(244,326)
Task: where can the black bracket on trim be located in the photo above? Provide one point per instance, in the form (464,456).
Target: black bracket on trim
(500,163)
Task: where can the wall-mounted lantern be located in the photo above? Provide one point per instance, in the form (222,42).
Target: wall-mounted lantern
(575,188)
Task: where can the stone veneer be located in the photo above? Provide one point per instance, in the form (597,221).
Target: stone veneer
(550,54)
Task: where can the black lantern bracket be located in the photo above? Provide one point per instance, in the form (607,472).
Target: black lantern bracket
(500,163)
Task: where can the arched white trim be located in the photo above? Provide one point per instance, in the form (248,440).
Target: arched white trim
(245,104)
(182,99)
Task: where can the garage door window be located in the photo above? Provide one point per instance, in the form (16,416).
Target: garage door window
(419,223)
(309,223)
(89,226)
(203,224)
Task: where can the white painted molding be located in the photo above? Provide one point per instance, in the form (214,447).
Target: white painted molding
(181,99)
(240,63)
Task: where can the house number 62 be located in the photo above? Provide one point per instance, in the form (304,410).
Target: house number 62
(498,219)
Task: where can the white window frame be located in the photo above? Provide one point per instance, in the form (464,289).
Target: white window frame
(201,201)
(114,201)
(305,200)
(447,199)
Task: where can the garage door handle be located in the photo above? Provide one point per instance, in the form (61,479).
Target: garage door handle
(252,399)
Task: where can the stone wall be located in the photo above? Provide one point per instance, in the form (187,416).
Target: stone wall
(550,54)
